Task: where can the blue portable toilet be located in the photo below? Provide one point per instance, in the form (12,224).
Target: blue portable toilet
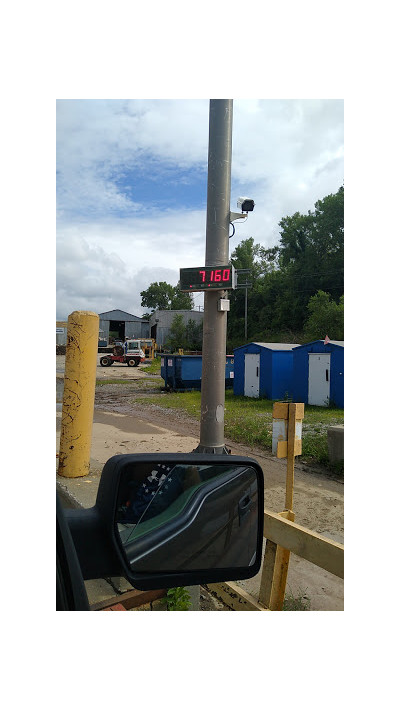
(264,370)
(318,373)
(183,372)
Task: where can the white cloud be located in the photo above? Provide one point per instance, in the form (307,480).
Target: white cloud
(117,259)
(286,156)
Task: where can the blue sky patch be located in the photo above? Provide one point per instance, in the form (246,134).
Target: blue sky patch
(164,186)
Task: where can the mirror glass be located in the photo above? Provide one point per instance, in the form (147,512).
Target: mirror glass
(174,517)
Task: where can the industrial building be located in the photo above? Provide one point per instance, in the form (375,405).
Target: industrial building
(120,325)
(115,324)
(160,322)
(61,333)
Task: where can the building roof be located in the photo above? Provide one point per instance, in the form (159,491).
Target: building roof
(278,346)
(166,315)
(177,311)
(273,346)
(118,315)
(321,340)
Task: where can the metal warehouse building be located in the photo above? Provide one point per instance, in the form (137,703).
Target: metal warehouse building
(122,325)
(160,322)
(61,333)
(318,373)
(264,370)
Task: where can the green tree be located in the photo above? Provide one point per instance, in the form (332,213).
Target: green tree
(245,256)
(181,300)
(326,318)
(160,295)
(308,259)
(194,335)
(265,280)
(188,337)
(311,254)
(177,334)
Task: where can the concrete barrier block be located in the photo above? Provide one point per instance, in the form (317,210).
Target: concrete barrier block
(336,443)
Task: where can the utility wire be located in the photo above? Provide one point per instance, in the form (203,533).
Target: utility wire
(303,276)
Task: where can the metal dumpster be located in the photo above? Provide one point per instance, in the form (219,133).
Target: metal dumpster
(183,372)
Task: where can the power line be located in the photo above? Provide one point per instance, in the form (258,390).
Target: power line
(299,291)
(302,276)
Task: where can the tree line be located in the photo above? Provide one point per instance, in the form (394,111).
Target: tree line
(296,292)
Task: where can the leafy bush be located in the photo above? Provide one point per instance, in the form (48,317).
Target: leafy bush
(326,317)
(177,599)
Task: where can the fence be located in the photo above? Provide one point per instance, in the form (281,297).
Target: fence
(281,534)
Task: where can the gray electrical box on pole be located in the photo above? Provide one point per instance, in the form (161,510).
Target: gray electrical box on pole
(212,438)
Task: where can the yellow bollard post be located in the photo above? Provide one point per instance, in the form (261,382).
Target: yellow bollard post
(78,399)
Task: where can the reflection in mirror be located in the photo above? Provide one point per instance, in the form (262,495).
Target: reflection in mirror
(188,516)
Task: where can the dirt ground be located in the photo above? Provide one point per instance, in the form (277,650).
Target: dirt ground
(121,426)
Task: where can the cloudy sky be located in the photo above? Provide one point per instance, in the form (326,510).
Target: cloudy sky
(132,187)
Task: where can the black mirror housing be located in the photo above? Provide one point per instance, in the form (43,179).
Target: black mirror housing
(182,519)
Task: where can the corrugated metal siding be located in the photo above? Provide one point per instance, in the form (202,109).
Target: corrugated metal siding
(118,315)
(105,327)
(145,329)
(61,338)
(166,317)
(163,320)
(135,327)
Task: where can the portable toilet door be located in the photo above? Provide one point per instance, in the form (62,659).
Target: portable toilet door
(319,379)
(252,374)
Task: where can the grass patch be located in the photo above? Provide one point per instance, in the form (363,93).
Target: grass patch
(154,368)
(141,385)
(300,602)
(249,421)
(112,381)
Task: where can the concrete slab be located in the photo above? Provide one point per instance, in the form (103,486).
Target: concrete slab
(336,443)
(98,590)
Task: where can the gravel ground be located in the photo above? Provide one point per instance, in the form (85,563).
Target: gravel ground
(123,425)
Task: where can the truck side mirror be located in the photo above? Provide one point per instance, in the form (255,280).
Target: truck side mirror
(183,519)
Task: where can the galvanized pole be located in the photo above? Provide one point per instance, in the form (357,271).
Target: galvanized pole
(217,254)
(245,316)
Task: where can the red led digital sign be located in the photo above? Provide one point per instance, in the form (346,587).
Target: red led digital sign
(206,278)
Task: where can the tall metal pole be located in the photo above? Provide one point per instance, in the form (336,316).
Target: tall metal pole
(217,253)
(245,316)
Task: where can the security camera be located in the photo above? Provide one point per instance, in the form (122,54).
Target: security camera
(246,204)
